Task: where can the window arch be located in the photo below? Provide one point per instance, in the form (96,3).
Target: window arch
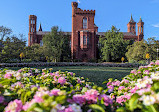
(84,23)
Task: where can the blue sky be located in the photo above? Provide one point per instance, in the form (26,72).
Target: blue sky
(15,13)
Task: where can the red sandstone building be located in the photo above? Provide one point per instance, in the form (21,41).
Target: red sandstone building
(84,35)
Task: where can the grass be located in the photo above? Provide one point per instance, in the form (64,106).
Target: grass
(95,74)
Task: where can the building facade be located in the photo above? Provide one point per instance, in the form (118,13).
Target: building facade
(84,36)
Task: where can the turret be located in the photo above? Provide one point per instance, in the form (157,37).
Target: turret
(32,30)
(140,25)
(132,26)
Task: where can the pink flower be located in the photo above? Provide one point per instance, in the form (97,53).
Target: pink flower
(1,99)
(91,95)
(109,83)
(157,62)
(14,106)
(121,87)
(61,80)
(7,76)
(133,71)
(133,90)
(54,92)
(43,73)
(71,73)
(146,72)
(152,63)
(125,81)
(28,104)
(139,72)
(79,99)
(38,96)
(110,88)
(116,83)
(69,109)
(107,99)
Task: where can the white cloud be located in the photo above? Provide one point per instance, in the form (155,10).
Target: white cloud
(78,1)
(156,25)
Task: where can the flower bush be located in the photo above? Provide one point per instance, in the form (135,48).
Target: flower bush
(138,91)
(33,90)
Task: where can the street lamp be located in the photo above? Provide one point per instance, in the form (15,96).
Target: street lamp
(157,53)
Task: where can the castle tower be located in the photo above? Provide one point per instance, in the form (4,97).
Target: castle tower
(132,26)
(140,25)
(32,30)
(83,39)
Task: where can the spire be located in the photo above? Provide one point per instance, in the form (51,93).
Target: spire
(140,21)
(131,20)
(40,28)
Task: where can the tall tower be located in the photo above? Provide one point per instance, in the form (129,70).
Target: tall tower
(132,26)
(83,39)
(32,30)
(140,25)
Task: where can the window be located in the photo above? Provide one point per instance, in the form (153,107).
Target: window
(41,43)
(30,39)
(33,21)
(84,23)
(84,40)
(87,40)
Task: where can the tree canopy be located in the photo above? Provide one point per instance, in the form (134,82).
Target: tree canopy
(56,45)
(113,46)
(139,49)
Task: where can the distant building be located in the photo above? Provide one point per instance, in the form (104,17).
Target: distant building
(84,36)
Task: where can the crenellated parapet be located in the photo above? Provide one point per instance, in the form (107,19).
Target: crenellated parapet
(80,11)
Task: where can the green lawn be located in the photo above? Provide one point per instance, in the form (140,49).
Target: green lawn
(95,74)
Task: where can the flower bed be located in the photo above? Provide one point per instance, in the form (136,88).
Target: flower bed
(138,91)
(33,90)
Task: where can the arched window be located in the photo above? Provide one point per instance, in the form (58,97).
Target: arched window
(133,27)
(84,40)
(84,23)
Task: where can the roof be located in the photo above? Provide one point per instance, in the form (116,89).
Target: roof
(47,32)
(124,33)
(40,28)
(140,21)
(98,33)
(131,20)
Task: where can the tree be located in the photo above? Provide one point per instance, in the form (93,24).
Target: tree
(113,46)
(137,51)
(34,52)
(11,49)
(4,31)
(56,45)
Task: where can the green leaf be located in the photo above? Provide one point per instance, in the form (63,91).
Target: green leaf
(133,102)
(96,108)
(121,109)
